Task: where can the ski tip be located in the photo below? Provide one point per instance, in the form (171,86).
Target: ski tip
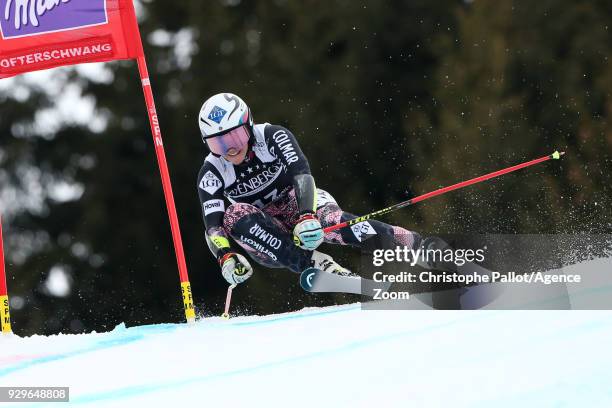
(557,155)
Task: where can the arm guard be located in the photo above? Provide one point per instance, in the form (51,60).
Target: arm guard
(305,193)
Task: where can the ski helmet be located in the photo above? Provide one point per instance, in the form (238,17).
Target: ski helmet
(225,122)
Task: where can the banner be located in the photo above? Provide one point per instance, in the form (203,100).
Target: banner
(42,34)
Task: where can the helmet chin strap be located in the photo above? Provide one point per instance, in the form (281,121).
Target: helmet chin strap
(250,154)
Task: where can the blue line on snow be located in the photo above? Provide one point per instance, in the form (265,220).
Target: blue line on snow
(122,336)
(127,392)
(133,391)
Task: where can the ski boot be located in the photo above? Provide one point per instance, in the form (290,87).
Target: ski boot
(326,263)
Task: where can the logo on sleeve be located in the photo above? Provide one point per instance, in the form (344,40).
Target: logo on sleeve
(286,147)
(210,183)
(217,114)
(362,230)
(212,206)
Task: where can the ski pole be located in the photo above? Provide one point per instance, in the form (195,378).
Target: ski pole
(228,300)
(556,156)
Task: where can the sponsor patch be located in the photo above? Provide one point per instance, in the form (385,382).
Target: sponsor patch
(363,229)
(217,114)
(258,247)
(286,146)
(220,242)
(210,183)
(212,206)
(265,236)
(256,183)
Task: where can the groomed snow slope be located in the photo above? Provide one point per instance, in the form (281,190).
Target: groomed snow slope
(337,356)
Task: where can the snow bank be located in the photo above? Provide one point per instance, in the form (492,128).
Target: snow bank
(337,356)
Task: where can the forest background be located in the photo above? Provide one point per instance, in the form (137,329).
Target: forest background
(389,99)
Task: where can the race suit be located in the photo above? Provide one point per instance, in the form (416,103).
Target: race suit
(266,196)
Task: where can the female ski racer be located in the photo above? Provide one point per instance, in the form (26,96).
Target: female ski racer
(275,211)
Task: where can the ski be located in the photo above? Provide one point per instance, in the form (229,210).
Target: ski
(317,281)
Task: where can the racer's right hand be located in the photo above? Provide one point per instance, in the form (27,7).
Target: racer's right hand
(235,268)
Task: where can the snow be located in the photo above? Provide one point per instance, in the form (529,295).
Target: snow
(337,356)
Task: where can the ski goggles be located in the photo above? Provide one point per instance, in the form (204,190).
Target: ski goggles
(230,142)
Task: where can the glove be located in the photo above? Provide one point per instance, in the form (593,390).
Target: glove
(307,233)
(235,268)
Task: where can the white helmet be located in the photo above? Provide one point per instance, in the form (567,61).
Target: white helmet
(222,113)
